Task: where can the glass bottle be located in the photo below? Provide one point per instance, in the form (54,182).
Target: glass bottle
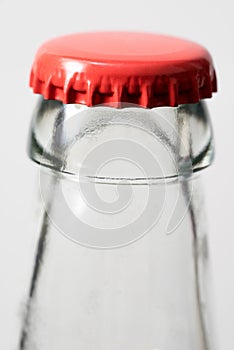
(122,137)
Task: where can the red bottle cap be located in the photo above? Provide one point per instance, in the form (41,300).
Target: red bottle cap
(104,67)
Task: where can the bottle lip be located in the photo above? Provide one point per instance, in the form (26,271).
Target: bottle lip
(107,180)
(143,68)
(76,140)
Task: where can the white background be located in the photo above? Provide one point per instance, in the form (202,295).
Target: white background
(24,26)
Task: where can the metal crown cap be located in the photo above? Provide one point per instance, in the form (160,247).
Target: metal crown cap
(106,67)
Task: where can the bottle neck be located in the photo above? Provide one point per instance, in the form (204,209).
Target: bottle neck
(135,276)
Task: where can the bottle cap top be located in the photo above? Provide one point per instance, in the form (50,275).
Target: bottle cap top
(106,67)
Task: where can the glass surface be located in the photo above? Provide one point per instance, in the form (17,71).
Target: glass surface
(122,255)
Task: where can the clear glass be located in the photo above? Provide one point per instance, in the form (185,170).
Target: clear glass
(122,258)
